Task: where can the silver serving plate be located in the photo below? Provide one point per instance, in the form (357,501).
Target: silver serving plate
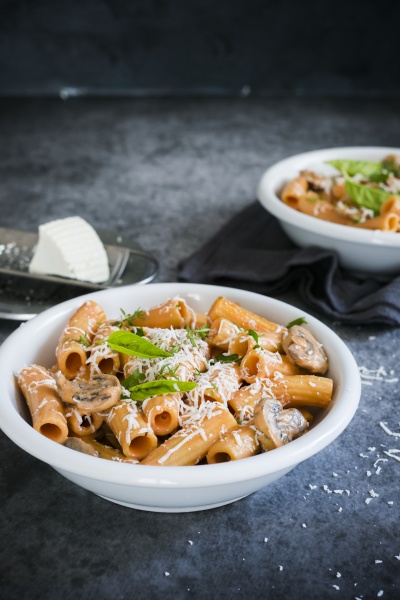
(23,295)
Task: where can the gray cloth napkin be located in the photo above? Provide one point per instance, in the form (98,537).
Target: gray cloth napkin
(252,252)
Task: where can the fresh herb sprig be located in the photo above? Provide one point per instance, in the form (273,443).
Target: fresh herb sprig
(298,321)
(227,358)
(255,337)
(200,333)
(83,340)
(129,319)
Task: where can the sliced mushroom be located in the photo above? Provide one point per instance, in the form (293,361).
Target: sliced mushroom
(80,446)
(94,395)
(278,426)
(94,448)
(317,183)
(304,350)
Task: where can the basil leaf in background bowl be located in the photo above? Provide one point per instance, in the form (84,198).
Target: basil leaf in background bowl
(366,196)
(357,167)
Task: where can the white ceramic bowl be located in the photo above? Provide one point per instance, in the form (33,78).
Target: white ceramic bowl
(366,252)
(170,489)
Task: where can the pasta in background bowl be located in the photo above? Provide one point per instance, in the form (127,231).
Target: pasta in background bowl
(364,251)
(148,486)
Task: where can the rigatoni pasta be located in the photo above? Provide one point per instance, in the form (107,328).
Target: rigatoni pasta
(362,194)
(169,386)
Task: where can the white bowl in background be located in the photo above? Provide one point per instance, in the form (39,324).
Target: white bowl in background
(170,489)
(364,251)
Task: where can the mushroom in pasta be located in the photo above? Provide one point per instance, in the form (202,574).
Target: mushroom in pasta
(304,350)
(277,426)
(81,446)
(96,394)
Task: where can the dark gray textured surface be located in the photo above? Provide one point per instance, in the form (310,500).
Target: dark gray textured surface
(201,47)
(170,174)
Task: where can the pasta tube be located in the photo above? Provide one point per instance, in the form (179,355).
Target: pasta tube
(339,190)
(131,430)
(191,443)
(81,424)
(303,390)
(222,332)
(312,205)
(102,359)
(259,364)
(162,413)
(216,385)
(271,341)
(239,443)
(71,351)
(173,313)
(244,400)
(391,205)
(389,221)
(294,190)
(223,307)
(46,408)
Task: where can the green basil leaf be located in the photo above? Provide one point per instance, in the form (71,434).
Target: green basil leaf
(129,343)
(366,196)
(253,334)
(227,358)
(134,379)
(156,388)
(357,167)
(298,321)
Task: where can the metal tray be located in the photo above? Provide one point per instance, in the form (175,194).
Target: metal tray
(23,295)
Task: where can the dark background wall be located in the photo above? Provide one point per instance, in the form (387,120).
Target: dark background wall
(200,47)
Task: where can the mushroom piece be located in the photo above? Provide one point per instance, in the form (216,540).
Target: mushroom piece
(278,426)
(92,395)
(80,446)
(304,350)
(317,183)
(94,448)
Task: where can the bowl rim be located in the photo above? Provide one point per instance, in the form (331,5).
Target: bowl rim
(274,178)
(70,461)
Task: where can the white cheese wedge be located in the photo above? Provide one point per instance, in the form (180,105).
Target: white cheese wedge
(70,248)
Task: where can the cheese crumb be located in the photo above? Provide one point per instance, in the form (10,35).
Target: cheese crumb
(388,431)
(378,562)
(166,574)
